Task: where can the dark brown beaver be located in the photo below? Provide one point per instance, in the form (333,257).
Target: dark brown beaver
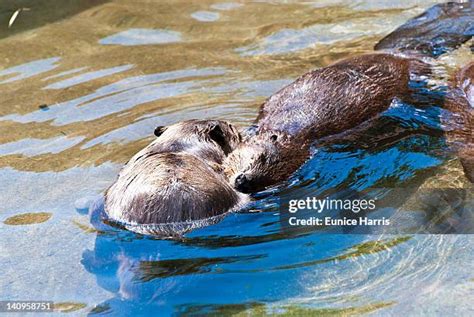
(339,97)
(176,179)
(438,30)
(320,103)
(460,102)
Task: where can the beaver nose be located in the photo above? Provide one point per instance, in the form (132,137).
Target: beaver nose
(241,183)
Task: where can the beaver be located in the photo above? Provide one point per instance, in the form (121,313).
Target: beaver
(440,29)
(322,102)
(460,102)
(342,96)
(176,179)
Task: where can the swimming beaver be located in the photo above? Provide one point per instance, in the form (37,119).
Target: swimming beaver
(320,103)
(177,179)
(440,29)
(339,97)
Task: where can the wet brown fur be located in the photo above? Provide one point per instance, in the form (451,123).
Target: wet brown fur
(320,103)
(440,29)
(176,178)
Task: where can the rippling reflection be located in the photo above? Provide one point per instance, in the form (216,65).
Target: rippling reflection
(81,95)
(28,70)
(32,147)
(65,73)
(115,97)
(291,40)
(142,37)
(226,6)
(79,79)
(205,16)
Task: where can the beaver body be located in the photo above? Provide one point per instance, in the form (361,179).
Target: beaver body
(337,98)
(320,103)
(195,170)
(177,179)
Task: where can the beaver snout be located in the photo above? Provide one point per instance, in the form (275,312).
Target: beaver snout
(242,184)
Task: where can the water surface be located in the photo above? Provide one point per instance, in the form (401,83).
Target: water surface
(85,83)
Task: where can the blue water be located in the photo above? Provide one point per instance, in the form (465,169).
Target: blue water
(249,257)
(83,86)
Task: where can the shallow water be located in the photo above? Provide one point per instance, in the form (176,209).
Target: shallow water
(83,86)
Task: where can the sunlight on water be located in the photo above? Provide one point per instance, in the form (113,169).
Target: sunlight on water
(205,16)
(33,147)
(226,6)
(65,73)
(79,79)
(83,87)
(141,37)
(291,40)
(118,96)
(28,70)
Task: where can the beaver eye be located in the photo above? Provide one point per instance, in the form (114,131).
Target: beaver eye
(274,137)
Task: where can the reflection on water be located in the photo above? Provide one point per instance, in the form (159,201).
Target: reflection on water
(79,79)
(67,72)
(117,97)
(292,40)
(133,37)
(259,309)
(206,16)
(33,147)
(28,70)
(81,95)
(226,6)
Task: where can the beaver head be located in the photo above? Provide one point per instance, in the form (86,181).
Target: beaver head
(264,160)
(177,178)
(209,139)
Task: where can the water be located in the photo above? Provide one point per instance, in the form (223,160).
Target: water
(84,85)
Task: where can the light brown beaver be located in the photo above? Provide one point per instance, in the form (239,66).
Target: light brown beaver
(176,179)
(320,103)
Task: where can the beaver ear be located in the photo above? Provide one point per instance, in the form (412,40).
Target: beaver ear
(159,130)
(217,135)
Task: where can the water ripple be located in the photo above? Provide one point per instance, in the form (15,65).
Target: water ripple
(291,40)
(88,77)
(205,16)
(134,37)
(121,95)
(65,73)
(226,6)
(423,261)
(30,69)
(33,147)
